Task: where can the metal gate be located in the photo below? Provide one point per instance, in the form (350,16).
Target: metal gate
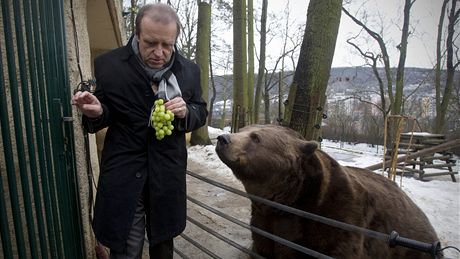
(39,204)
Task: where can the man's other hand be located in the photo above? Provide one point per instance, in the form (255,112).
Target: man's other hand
(88,104)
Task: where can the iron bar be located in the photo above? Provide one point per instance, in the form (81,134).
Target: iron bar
(42,130)
(4,229)
(39,199)
(28,130)
(4,226)
(225,239)
(301,213)
(20,242)
(202,248)
(260,231)
(63,134)
(180,253)
(46,28)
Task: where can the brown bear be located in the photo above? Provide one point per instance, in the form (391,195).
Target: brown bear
(278,164)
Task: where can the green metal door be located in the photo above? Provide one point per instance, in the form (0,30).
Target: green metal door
(39,203)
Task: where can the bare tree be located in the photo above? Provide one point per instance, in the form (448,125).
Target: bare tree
(240,101)
(213,88)
(261,73)
(307,92)
(220,21)
(226,95)
(284,29)
(129,14)
(443,96)
(286,32)
(187,10)
(201,136)
(382,57)
(394,95)
(250,61)
(402,47)
(271,81)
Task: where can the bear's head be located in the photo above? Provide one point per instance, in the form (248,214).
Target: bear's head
(268,159)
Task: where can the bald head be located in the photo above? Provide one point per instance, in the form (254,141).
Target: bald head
(159,13)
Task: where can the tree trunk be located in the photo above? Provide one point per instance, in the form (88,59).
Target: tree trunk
(267,101)
(213,86)
(397,105)
(132,17)
(250,62)
(239,66)
(280,97)
(308,93)
(438,66)
(444,103)
(260,74)
(201,136)
(224,111)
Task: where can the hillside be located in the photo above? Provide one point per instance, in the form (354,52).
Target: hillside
(343,80)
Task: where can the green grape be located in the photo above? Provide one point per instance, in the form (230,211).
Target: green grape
(161,120)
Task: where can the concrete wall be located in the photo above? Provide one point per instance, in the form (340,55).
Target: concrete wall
(98,28)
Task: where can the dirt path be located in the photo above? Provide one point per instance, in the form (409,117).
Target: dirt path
(224,201)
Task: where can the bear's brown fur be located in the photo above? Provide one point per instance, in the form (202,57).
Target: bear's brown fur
(276,163)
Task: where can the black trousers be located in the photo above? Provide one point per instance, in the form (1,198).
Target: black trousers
(136,240)
(163,250)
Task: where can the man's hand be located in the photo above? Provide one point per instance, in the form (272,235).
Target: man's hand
(177,106)
(87,103)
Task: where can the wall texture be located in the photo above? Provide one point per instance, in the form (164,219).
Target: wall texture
(95,27)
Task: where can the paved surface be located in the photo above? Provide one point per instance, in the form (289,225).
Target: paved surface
(224,201)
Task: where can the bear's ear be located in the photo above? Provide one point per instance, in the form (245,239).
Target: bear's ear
(308,147)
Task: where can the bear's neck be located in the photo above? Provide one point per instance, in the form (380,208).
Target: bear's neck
(326,180)
(317,171)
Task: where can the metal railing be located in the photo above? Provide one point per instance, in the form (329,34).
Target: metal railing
(39,205)
(238,222)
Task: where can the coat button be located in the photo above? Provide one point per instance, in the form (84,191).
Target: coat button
(138,175)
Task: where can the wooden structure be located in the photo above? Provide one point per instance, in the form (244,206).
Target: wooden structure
(439,163)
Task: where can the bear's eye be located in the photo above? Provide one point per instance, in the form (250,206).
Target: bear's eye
(255,138)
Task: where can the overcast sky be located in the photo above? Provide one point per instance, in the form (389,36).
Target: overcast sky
(421,46)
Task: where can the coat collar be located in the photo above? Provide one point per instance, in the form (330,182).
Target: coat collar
(127,50)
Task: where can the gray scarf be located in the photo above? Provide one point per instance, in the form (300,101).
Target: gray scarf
(168,87)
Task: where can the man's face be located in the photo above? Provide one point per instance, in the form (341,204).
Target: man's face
(156,42)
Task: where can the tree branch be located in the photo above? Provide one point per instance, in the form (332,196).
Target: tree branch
(373,34)
(384,56)
(366,54)
(363,101)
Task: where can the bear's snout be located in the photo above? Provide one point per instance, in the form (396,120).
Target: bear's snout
(224,139)
(224,150)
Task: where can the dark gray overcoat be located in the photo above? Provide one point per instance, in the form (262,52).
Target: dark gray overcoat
(132,155)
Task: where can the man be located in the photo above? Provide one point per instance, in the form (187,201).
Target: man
(142,180)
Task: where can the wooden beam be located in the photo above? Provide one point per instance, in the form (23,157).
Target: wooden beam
(442,147)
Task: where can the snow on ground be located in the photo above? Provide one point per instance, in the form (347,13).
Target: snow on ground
(439,197)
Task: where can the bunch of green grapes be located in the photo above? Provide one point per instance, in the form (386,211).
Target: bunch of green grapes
(162,120)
